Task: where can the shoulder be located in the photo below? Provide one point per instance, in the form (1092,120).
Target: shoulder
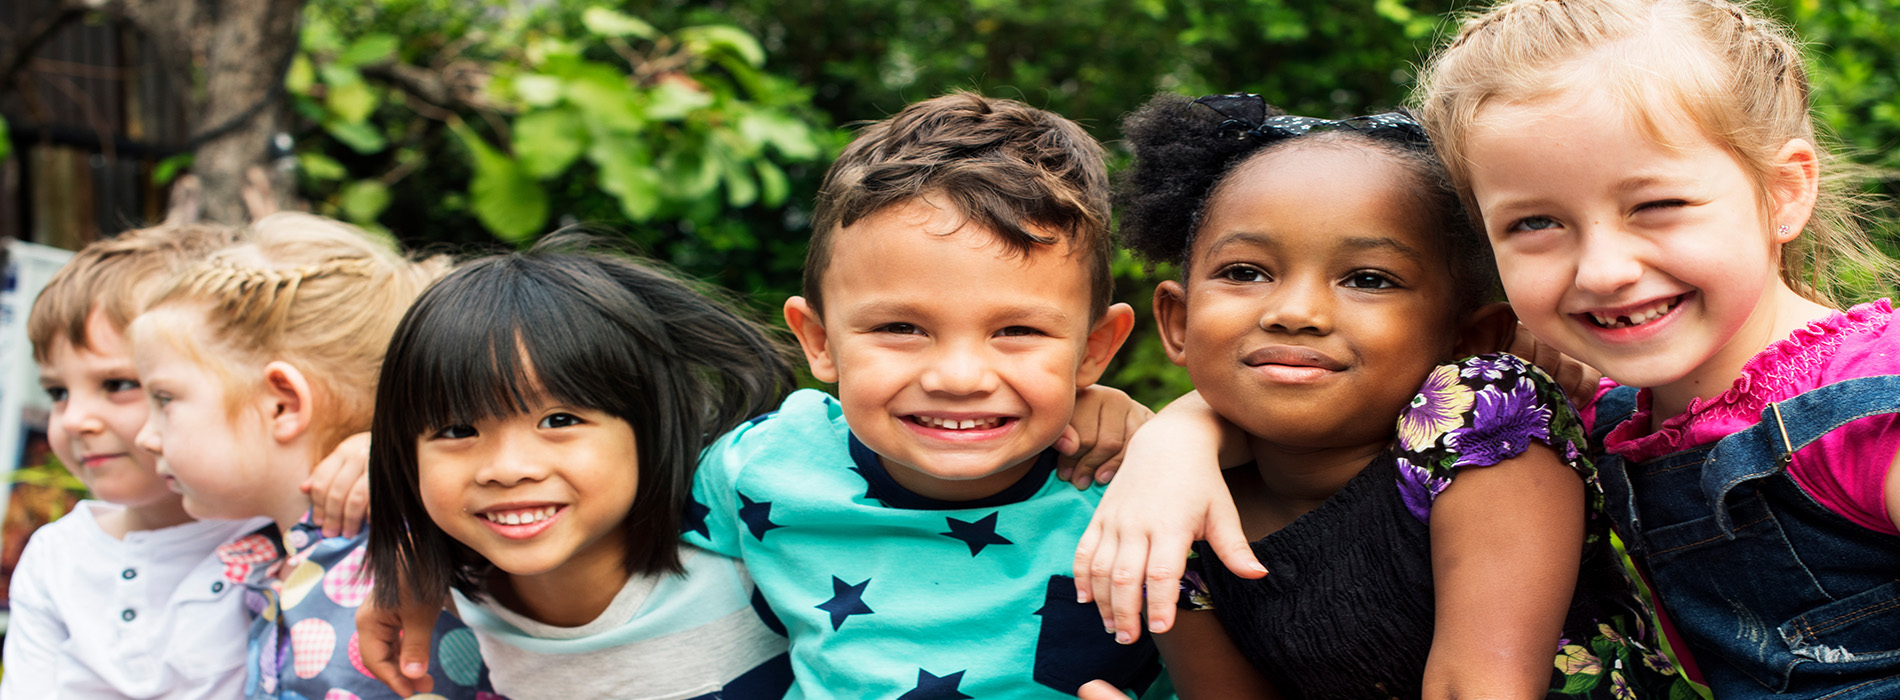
(806,418)
(1484,410)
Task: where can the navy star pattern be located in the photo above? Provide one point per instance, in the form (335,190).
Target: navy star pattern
(694,519)
(757,516)
(846,600)
(977,535)
(934,687)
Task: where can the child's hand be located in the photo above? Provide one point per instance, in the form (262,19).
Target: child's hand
(1101,690)
(1578,380)
(1091,447)
(395,644)
(1169,494)
(339,488)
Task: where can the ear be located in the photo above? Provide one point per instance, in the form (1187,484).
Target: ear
(1171,318)
(288,404)
(1488,329)
(810,330)
(1104,340)
(1794,188)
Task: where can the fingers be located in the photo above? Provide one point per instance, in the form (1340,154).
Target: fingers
(1125,579)
(418,633)
(356,507)
(378,634)
(333,485)
(1167,560)
(1084,558)
(1229,541)
(1066,446)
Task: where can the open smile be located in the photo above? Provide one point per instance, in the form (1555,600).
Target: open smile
(1634,315)
(521,522)
(960,427)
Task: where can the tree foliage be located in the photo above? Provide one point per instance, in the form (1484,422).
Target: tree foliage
(700,129)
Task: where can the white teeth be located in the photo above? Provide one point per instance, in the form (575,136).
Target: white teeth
(952,424)
(1638,318)
(518,517)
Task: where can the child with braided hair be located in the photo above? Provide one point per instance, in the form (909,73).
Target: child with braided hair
(257,362)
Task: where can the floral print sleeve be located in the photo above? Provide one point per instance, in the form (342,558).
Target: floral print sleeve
(1476,413)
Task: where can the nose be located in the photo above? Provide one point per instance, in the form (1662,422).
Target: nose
(1299,306)
(80,417)
(959,368)
(1607,261)
(148,439)
(513,461)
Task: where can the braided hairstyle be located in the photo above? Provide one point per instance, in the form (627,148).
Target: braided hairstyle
(1185,151)
(305,289)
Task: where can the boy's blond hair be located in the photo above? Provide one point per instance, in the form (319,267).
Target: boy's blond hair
(116,277)
(315,292)
(1734,74)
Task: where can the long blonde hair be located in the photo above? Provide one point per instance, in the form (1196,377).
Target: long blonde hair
(317,293)
(1735,74)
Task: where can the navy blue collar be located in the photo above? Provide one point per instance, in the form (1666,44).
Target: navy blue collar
(886,489)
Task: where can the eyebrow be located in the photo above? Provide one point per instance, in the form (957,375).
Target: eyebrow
(1353,242)
(1021,313)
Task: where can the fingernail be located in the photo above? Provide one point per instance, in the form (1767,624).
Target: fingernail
(1259,568)
(1122,638)
(414,670)
(1154,626)
(1103,477)
(1081,597)
(1108,626)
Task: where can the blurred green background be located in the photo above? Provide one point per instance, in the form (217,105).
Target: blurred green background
(700,129)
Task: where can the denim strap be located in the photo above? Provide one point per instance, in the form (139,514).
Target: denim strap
(1765,448)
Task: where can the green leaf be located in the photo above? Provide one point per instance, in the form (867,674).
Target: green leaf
(370,49)
(360,137)
(787,134)
(321,167)
(169,168)
(672,100)
(538,90)
(741,191)
(606,98)
(506,199)
(605,22)
(6,140)
(351,102)
(772,184)
(627,173)
(547,142)
(364,200)
(720,37)
(335,74)
(688,171)
(301,75)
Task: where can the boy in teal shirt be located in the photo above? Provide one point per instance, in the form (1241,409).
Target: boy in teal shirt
(911,533)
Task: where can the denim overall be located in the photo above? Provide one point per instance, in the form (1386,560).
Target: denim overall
(1776,596)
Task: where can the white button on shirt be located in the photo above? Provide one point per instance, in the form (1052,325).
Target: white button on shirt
(146,617)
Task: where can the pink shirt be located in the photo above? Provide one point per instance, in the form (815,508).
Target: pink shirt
(1846,470)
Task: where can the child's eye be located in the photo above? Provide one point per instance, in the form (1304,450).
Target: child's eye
(1018,331)
(900,329)
(560,420)
(1663,204)
(1367,279)
(1533,223)
(56,393)
(1242,273)
(455,432)
(114,386)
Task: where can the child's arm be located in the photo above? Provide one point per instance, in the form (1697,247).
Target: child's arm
(1506,544)
(1105,418)
(395,643)
(1169,493)
(339,488)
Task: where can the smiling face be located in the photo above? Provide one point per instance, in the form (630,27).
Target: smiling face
(98,408)
(538,493)
(1316,298)
(1648,262)
(956,361)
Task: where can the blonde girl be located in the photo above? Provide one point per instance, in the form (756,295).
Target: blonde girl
(258,362)
(1650,180)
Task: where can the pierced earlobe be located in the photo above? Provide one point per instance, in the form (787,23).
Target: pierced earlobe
(1782,231)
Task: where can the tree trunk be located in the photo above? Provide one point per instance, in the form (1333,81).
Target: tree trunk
(231,55)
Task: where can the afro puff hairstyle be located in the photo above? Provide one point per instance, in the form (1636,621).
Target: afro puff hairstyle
(1184,151)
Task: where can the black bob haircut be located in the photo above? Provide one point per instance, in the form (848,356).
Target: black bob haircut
(580,325)
(1185,150)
